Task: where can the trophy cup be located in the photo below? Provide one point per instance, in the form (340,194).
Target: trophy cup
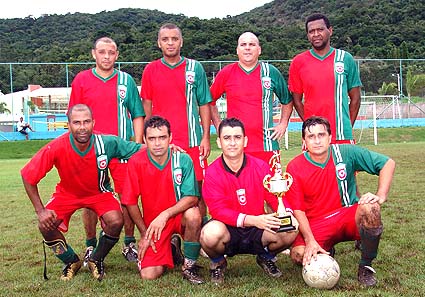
(278,185)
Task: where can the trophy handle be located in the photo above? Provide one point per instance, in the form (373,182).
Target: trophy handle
(266,181)
(288,178)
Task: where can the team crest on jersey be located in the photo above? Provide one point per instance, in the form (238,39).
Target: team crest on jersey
(241,196)
(341,171)
(122,91)
(190,77)
(339,67)
(102,162)
(267,82)
(178,175)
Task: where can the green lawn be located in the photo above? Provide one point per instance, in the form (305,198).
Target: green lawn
(400,263)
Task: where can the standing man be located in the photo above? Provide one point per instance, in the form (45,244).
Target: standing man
(117,108)
(81,159)
(250,87)
(323,196)
(166,183)
(176,88)
(329,80)
(235,196)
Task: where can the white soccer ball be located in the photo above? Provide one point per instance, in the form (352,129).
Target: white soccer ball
(322,273)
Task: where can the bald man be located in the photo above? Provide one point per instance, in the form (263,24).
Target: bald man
(250,87)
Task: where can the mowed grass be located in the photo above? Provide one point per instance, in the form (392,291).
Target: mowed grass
(400,263)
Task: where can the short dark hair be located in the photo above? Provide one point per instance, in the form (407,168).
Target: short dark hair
(170,26)
(313,121)
(104,39)
(315,17)
(232,123)
(78,107)
(156,122)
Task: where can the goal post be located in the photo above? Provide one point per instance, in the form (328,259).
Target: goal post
(365,127)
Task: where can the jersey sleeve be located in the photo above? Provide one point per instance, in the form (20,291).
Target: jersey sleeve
(39,165)
(294,80)
(218,203)
(353,77)
(280,86)
(117,147)
(131,188)
(203,94)
(366,160)
(189,186)
(217,86)
(134,102)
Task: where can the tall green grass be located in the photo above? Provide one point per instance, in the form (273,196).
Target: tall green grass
(400,264)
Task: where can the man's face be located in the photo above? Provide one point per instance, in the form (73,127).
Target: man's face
(81,125)
(248,49)
(157,141)
(232,142)
(170,41)
(105,55)
(318,35)
(317,140)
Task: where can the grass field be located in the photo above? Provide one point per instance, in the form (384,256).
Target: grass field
(400,263)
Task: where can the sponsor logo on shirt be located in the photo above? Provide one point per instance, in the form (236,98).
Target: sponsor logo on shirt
(122,91)
(267,82)
(177,173)
(341,171)
(190,77)
(241,196)
(339,67)
(102,162)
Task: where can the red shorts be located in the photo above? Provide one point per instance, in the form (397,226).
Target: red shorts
(265,156)
(118,172)
(338,226)
(163,255)
(199,164)
(65,205)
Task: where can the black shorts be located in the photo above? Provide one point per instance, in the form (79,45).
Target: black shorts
(23,131)
(244,241)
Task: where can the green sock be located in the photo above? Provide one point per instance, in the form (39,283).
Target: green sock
(129,239)
(62,251)
(191,250)
(205,220)
(370,241)
(91,242)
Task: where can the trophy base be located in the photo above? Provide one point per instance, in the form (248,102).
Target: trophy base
(285,224)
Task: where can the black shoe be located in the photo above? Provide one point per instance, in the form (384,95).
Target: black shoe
(332,252)
(70,270)
(130,252)
(176,249)
(366,276)
(97,269)
(192,274)
(217,272)
(269,266)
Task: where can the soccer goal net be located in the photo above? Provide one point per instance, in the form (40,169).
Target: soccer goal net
(365,129)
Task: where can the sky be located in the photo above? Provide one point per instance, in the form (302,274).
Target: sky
(191,8)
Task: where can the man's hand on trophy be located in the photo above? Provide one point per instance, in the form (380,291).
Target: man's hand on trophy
(268,222)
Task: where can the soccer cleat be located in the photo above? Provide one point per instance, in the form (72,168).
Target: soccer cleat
(332,252)
(130,252)
(366,276)
(269,266)
(87,254)
(191,273)
(97,269)
(217,272)
(176,249)
(70,270)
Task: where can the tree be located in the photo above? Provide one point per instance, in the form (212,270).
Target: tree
(414,83)
(3,108)
(388,89)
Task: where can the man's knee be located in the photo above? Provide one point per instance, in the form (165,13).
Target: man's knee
(151,273)
(192,217)
(113,222)
(212,232)
(297,254)
(370,215)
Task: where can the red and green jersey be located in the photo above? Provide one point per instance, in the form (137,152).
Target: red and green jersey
(114,101)
(159,186)
(325,82)
(318,189)
(81,173)
(230,197)
(249,97)
(176,92)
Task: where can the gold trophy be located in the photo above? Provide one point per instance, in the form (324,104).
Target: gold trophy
(278,185)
